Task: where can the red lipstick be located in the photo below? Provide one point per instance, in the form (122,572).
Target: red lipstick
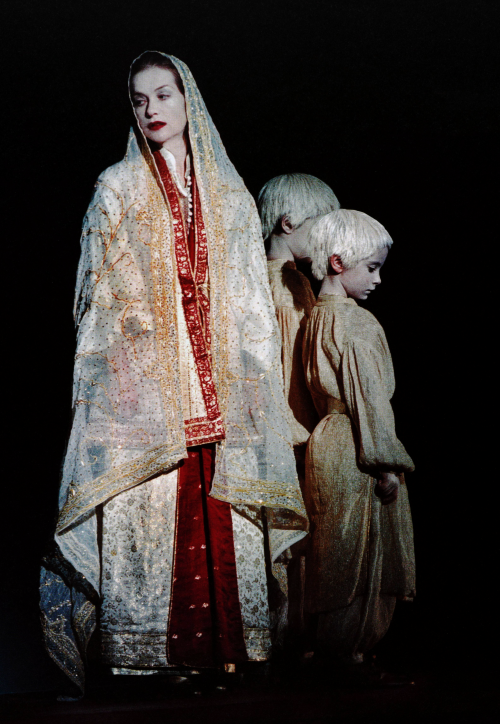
(156,125)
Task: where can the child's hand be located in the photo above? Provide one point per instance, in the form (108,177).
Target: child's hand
(387,488)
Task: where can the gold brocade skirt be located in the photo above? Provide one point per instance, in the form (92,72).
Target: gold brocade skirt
(137,549)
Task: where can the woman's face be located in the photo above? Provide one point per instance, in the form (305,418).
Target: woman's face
(159,105)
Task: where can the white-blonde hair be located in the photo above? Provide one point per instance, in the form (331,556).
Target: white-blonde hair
(352,235)
(296,195)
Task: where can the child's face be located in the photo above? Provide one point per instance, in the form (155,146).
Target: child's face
(363,278)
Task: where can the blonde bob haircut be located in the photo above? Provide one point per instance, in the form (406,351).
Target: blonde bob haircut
(296,195)
(352,235)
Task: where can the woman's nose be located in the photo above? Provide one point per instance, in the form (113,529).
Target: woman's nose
(150,109)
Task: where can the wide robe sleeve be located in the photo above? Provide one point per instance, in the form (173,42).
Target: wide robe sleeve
(368,381)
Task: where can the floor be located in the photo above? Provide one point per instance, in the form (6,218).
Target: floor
(445,697)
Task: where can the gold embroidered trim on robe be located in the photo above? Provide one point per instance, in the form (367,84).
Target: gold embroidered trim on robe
(196,307)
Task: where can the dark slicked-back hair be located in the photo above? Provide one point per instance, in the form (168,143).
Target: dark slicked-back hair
(153,59)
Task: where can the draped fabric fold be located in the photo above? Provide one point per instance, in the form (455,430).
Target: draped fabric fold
(205,625)
(130,410)
(361,554)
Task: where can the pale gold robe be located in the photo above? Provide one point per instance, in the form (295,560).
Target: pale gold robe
(129,403)
(361,557)
(138,533)
(293,300)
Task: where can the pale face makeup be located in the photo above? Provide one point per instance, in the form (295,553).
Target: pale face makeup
(359,281)
(159,106)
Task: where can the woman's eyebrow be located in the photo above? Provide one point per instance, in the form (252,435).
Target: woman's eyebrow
(138,93)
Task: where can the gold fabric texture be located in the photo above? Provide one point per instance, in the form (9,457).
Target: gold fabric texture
(128,403)
(361,552)
(251,572)
(138,530)
(258,643)
(293,300)
(130,399)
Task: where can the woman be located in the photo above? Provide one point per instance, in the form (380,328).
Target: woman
(177,394)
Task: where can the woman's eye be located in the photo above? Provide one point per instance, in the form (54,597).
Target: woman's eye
(138,102)
(163,96)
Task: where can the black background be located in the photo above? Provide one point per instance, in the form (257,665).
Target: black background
(391,103)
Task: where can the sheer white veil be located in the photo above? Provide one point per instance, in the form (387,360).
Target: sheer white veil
(128,420)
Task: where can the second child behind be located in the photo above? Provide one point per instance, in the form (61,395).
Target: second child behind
(289,205)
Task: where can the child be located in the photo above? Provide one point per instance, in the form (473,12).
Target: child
(288,206)
(361,558)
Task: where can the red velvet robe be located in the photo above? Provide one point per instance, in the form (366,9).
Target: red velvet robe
(205,626)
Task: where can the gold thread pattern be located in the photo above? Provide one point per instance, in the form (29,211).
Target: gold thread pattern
(130,422)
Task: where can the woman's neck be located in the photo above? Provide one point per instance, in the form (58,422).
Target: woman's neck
(178,148)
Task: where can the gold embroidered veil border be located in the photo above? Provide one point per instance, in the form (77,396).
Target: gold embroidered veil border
(255,463)
(128,420)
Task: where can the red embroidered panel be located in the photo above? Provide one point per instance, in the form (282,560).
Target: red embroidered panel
(201,430)
(188,245)
(205,626)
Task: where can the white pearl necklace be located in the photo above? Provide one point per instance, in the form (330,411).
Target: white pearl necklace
(190,200)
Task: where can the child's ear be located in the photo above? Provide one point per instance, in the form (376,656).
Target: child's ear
(336,264)
(285,224)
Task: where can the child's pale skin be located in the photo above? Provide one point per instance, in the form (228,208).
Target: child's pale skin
(357,283)
(290,242)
